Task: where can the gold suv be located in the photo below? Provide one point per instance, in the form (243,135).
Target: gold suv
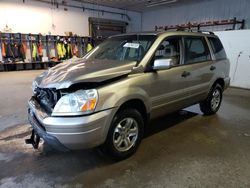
(107,97)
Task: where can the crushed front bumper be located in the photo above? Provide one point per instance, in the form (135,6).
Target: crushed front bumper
(39,131)
(69,133)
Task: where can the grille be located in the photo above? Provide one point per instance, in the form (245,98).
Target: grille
(47,98)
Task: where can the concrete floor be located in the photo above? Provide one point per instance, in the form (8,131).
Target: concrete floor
(184,149)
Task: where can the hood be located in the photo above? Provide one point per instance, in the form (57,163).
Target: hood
(81,70)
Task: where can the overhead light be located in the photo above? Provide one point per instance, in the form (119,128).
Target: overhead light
(157,3)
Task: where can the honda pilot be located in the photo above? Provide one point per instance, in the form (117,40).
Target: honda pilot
(108,97)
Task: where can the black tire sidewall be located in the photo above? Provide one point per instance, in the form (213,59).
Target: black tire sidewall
(109,145)
(205,105)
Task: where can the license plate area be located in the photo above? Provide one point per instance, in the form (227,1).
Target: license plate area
(33,140)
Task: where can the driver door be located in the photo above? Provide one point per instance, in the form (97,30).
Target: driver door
(169,87)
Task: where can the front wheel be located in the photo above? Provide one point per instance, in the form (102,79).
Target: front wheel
(212,104)
(125,134)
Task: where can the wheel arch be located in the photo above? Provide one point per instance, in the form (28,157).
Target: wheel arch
(137,104)
(219,81)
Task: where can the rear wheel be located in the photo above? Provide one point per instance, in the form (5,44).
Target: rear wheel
(212,104)
(125,134)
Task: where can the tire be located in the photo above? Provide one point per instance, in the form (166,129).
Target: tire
(212,103)
(125,134)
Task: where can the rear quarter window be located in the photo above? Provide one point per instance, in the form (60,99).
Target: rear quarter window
(217,48)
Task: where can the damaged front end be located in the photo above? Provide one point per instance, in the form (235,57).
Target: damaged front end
(42,101)
(60,92)
(43,104)
(35,114)
(47,98)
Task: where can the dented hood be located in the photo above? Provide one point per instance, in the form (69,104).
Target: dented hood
(80,70)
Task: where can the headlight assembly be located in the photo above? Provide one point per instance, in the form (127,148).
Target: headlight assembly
(77,103)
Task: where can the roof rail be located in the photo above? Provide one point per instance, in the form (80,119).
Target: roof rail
(204,31)
(191,30)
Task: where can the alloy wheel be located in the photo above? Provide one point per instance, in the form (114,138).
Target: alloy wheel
(125,134)
(216,99)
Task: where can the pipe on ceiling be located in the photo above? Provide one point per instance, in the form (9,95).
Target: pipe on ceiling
(92,3)
(57,4)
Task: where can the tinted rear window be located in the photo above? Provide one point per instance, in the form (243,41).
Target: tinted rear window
(217,48)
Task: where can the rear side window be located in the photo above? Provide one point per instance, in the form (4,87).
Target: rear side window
(196,50)
(217,48)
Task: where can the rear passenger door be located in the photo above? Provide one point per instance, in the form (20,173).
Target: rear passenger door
(197,55)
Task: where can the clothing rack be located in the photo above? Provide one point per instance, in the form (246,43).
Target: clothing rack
(48,44)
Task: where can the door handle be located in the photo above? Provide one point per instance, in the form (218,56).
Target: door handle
(212,68)
(185,74)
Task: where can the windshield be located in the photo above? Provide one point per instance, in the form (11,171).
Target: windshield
(123,48)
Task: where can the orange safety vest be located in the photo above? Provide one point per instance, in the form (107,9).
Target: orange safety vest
(40,49)
(3,50)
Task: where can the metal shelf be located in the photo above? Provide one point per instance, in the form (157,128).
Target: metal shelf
(27,66)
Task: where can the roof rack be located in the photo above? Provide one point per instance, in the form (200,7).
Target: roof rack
(198,25)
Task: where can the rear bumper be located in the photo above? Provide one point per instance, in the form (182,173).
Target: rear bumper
(69,133)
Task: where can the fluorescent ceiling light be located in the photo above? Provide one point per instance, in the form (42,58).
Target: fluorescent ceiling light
(163,2)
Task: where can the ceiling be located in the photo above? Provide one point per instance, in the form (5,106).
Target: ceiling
(139,5)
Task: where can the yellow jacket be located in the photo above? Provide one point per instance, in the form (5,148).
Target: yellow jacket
(61,51)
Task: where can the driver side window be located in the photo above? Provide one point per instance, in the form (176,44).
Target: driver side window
(169,49)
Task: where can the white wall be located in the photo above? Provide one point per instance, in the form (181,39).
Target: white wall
(233,41)
(237,46)
(197,12)
(35,17)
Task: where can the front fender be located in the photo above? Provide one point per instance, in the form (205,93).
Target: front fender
(115,98)
(110,98)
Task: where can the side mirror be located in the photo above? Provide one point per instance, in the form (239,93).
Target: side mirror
(161,64)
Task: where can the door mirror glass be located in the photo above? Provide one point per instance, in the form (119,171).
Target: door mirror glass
(160,64)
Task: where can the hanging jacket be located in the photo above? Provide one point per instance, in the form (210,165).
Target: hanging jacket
(59,50)
(64,50)
(1,57)
(34,51)
(3,49)
(40,49)
(15,50)
(89,47)
(9,50)
(75,50)
(23,49)
(68,51)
